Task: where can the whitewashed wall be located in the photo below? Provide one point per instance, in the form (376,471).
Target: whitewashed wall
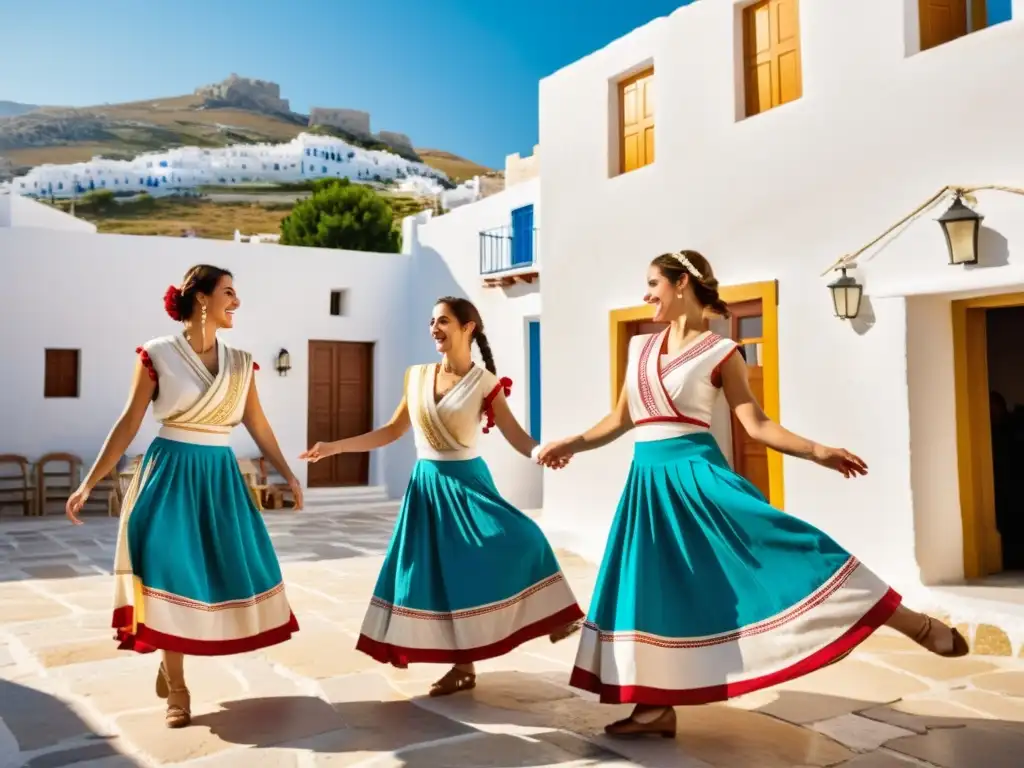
(17,211)
(780,196)
(102,294)
(446,261)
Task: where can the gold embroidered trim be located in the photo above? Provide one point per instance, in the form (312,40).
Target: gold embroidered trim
(423,418)
(238,364)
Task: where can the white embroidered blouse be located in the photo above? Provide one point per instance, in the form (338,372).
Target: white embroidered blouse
(673,395)
(447,429)
(192,404)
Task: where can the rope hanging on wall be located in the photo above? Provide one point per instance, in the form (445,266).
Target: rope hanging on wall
(966,192)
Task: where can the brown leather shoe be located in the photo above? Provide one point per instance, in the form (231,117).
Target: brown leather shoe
(925,640)
(664,726)
(565,632)
(454,680)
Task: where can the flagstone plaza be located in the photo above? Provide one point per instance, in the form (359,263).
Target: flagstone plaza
(68,697)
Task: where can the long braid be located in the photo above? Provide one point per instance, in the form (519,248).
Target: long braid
(485,351)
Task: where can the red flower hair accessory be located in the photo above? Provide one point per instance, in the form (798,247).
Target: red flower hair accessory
(171,302)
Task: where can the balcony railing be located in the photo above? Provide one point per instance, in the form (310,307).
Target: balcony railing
(504,250)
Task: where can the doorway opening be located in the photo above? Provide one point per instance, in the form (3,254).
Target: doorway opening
(989,380)
(1005,356)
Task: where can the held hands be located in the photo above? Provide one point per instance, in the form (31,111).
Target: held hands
(75,503)
(553,455)
(319,451)
(839,459)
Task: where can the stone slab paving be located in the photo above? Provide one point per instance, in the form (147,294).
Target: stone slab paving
(68,697)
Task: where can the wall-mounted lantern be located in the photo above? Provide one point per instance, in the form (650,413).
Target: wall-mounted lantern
(961,226)
(846,296)
(284,362)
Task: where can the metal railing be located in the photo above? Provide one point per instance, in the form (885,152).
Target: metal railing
(502,250)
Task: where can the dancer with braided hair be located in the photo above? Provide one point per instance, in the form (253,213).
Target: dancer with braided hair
(706,591)
(195,571)
(467,576)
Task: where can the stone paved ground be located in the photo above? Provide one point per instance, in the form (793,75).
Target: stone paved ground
(68,697)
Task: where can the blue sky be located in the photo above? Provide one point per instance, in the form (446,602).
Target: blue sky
(458,75)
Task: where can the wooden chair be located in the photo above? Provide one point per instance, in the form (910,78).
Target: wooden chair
(17,483)
(122,478)
(251,474)
(273,493)
(57,483)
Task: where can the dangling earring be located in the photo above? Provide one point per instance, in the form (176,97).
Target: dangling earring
(202,323)
(188,331)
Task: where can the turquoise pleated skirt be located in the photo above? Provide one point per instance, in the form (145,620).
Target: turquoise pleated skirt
(707,592)
(466,577)
(195,568)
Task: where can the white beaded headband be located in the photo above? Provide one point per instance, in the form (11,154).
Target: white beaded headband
(687,265)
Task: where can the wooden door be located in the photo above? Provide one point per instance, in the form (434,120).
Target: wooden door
(340,405)
(941,21)
(749,457)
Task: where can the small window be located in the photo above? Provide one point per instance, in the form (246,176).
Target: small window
(338,302)
(942,21)
(61,373)
(772,70)
(636,121)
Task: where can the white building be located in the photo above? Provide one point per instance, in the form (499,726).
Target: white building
(774,179)
(873,127)
(306,157)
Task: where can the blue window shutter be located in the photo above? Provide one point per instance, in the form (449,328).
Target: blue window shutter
(522,235)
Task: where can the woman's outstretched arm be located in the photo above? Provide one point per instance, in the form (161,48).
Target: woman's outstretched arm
(609,429)
(748,412)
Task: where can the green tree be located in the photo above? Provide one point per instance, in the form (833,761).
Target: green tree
(343,215)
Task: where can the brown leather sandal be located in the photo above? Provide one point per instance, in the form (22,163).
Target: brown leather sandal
(455,680)
(179,715)
(664,726)
(960,646)
(565,632)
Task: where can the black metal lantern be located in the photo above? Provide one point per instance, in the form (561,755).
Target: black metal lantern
(284,362)
(961,226)
(846,296)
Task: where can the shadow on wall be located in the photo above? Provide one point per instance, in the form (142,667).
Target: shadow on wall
(429,278)
(993,250)
(865,319)
(41,723)
(518,290)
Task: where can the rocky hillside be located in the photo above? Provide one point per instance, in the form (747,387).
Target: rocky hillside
(13,108)
(213,116)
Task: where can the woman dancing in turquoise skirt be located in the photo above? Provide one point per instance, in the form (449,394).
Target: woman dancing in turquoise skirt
(467,576)
(195,571)
(706,592)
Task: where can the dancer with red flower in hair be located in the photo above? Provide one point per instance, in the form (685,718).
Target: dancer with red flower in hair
(467,576)
(195,570)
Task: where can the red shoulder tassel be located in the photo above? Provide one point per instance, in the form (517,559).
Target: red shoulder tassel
(255,365)
(504,385)
(146,362)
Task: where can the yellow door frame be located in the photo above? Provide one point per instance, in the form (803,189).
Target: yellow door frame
(767,292)
(983,546)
